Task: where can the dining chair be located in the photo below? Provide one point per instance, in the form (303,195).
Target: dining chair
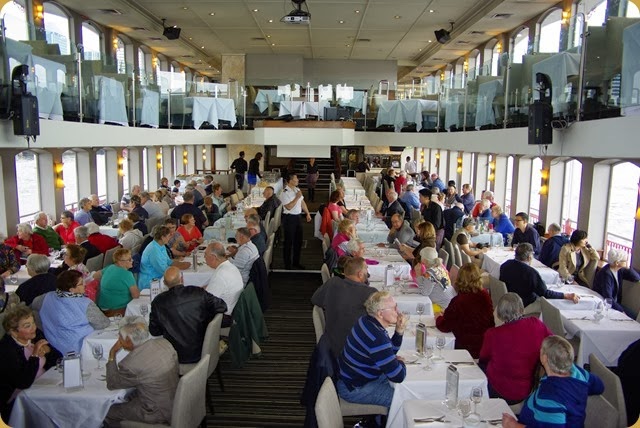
(271,239)
(325,273)
(612,388)
(189,404)
(328,414)
(239,194)
(326,243)
(95,263)
(448,247)
(444,256)
(600,413)
(268,256)
(497,289)
(108,257)
(318,321)
(552,319)
(453,273)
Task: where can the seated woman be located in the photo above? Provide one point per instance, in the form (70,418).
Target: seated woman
(433,279)
(9,263)
(426,235)
(25,355)
(210,210)
(190,232)
(26,242)
(164,201)
(138,223)
(67,316)
(346,232)
(578,259)
(129,237)
(117,286)
(501,223)
(510,352)
(73,258)
(608,280)
(335,211)
(470,313)
(176,245)
(462,237)
(66,227)
(155,259)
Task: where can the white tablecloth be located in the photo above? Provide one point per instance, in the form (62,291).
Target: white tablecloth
(266,96)
(359,101)
(107,338)
(47,404)
(409,338)
(150,112)
(230,227)
(606,339)
(397,112)
(374,232)
(109,231)
(487,92)
(588,298)
(206,109)
(430,385)
(495,239)
(111,101)
(489,409)
(452,112)
(302,109)
(494,258)
(391,258)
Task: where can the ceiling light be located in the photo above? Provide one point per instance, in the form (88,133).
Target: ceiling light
(431,10)
(429,41)
(185,8)
(420,50)
(255,10)
(212,14)
(201,47)
(356,11)
(341,22)
(273,44)
(271,20)
(348,45)
(268,36)
(397,17)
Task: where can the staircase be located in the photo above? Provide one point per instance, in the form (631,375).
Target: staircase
(325,168)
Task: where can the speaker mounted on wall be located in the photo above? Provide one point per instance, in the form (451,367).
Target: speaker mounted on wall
(442,35)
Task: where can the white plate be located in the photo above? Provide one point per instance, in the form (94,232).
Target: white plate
(409,356)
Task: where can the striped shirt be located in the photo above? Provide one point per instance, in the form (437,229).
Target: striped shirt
(369,353)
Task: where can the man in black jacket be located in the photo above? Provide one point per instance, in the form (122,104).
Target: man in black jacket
(181,315)
(41,280)
(241,166)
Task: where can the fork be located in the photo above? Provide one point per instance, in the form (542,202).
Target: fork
(440,419)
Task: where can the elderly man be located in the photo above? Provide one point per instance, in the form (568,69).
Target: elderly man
(66,227)
(410,197)
(342,300)
(99,240)
(437,182)
(208,184)
(82,216)
(257,236)
(293,205)
(136,207)
(526,282)
(99,213)
(451,217)
(226,281)
(271,202)
(152,208)
(155,383)
(400,230)
(126,198)
(477,208)
(468,200)
(355,248)
(43,229)
(41,280)
(82,238)
(369,361)
(550,251)
(244,254)
(524,232)
(181,315)
(188,207)
(393,207)
(561,397)
(198,199)
(25,242)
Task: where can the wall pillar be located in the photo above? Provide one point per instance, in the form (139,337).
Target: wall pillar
(168,156)
(467,170)
(114,180)
(51,203)
(500,180)
(554,200)
(134,167)
(481,172)
(522,187)
(595,185)
(87,175)
(9,192)
(152,168)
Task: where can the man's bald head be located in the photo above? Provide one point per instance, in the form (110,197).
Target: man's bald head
(172,277)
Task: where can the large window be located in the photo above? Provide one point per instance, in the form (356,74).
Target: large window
(91,42)
(70,176)
(142,67)
(15,20)
(121,61)
(56,24)
(474,64)
(534,201)
(625,178)
(520,44)
(509,187)
(28,185)
(101,174)
(550,27)
(571,198)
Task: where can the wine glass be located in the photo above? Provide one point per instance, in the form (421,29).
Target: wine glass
(96,350)
(464,407)
(569,279)
(599,309)
(13,279)
(608,303)
(420,310)
(441,341)
(476,397)
(428,355)
(144,310)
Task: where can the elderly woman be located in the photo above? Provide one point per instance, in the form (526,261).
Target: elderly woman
(578,259)
(129,237)
(426,235)
(608,280)
(346,232)
(210,210)
(155,259)
(510,352)
(73,258)
(67,316)
(25,355)
(6,299)
(462,237)
(177,246)
(433,279)
(470,312)
(26,242)
(159,197)
(41,281)
(190,232)
(9,263)
(501,222)
(117,286)
(66,227)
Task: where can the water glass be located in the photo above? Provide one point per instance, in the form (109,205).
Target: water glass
(97,351)
(13,279)
(476,397)
(464,407)
(420,310)
(569,279)
(598,311)
(144,310)
(441,341)
(608,303)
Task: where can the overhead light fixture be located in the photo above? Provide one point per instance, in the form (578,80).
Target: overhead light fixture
(171,33)
(442,35)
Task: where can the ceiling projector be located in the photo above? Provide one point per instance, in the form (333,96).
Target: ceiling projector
(297,16)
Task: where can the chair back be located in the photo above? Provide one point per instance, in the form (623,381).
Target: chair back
(154,221)
(448,247)
(189,404)
(453,273)
(271,238)
(631,296)
(444,256)
(327,406)
(211,343)
(234,199)
(551,317)
(239,194)
(326,242)
(415,215)
(135,250)
(108,257)
(267,219)
(464,257)
(612,388)
(457,254)
(600,413)
(95,263)
(325,272)
(497,289)
(268,256)
(277,216)
(318,321)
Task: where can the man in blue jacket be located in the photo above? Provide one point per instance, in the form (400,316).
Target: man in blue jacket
(550,252)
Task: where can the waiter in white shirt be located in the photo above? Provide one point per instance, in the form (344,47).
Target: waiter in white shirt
(293,205)
(411,167)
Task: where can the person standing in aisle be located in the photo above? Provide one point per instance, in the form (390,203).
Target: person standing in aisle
(240,166)
(254,170)
(293,205)
(312,178)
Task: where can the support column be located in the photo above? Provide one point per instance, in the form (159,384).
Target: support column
(152,167)
(51,203)
(555,199)
(233,70)
(481,173)
(9,192)
(134,170)
(452,166)
(114,180)
(443,165)
(500,181)
(521,201)
(467,170)
(191,156)
(87,176)
(595,184)
(168,156)
(544,194)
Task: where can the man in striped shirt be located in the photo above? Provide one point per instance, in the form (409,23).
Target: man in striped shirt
(368,361)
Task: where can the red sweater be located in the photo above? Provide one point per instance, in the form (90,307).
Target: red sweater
(103,242)
(67,233)
(37,244)
(511,353)
(468,316)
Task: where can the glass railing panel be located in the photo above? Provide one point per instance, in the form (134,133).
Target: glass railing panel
(630,70)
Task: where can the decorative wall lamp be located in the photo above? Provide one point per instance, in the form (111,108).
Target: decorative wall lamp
(57,168)
(544,182)
(39,12)
(121,166)
(492,171)
(459,169)
(159,161)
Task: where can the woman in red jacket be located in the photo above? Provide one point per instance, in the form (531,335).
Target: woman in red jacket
(470,312)
(26,242)
(66,227)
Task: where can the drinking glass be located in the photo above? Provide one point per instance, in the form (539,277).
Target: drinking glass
(420,310)
(464,407)
(441,341)
(13,279)
(144,310)
(476,397)
(598,311)
(569,279)
(428,355)
(608,303)
(96,350)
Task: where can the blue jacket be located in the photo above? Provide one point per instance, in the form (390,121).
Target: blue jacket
(606,285)
(503,225)
(529,235)
(550,252)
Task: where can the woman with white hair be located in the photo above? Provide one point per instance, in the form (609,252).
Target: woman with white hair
(608,281)
(433,279)
(26,242)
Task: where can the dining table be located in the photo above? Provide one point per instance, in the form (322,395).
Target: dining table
(408,347)
(386,258)
(302,109)
(495,257)
(399,112)
(212,110)
(417,413)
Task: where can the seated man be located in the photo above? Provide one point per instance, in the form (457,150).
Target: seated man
(155,383)
(526,233)
(226,280)
(244,254)
(257,237)
(271,202)
(82,238)
(99,213)
(99,240)
(343,301)
(550,252)
(42,228)
(136,207)
(451,218)
(392,208)
(83,216)
(125,202)
(152,208)
(41,280)
(181,315)
(561,397)
(368,361)
(189,207)
(218,199)
(400,230)
(526,282)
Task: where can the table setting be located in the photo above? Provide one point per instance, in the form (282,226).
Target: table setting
(434,413)
(496,256)
(408,347)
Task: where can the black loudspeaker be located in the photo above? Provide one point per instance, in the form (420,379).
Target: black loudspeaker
(172,33)
(442,36)
(540,131)
(25,118)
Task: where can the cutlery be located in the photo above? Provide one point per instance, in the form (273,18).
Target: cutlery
(440,419)
(461,363)
(579,319)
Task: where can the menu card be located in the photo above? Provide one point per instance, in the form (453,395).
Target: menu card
(451,393)
(72,372)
